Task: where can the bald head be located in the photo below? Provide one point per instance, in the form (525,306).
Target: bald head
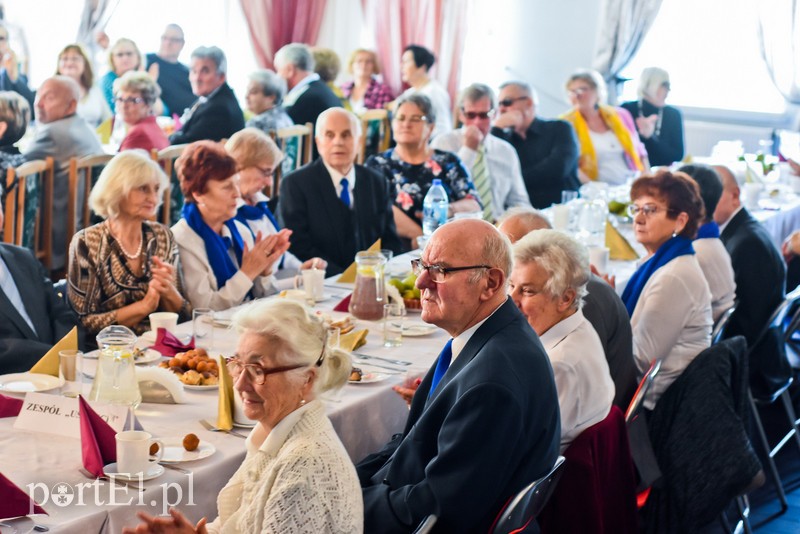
(519,222)
(729,201)
(57,98)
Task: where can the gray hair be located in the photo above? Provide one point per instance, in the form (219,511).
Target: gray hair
(215,54)
(270,83)
(475,92)
(297,54)
(496,252)
(652,78)
(301,338)
(531,218)
(525,87)
(421,101)
(124,173)
(16,113)
(139,82)
(593,78)
(564,259)
(322,119)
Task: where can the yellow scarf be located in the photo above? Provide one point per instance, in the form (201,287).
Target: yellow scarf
(588,160)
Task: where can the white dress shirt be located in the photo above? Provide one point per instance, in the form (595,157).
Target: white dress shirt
(440,101)
(715,262)
(301,87)
(583,381)
(336,176)
(502,162)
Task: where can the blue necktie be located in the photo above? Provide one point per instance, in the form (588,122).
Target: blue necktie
(442,365)
(345,194)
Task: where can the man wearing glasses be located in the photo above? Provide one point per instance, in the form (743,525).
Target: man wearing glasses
(484,421)
(547,149)
(170,74)
(493,163)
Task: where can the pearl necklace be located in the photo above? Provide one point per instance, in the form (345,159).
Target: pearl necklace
(124,250)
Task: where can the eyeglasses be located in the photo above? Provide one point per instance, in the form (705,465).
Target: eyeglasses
(578,91)
(472,115)
(256,372)
(437,272)
(3,37)
(130,100)
(647,209)
(413,119)
(508,102)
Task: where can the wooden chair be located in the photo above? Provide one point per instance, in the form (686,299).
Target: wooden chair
(83,173)
(295,142)
(173,197)
(376,133)
(29,208)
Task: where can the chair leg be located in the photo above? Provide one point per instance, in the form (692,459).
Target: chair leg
(787,403)
(771,463)
(743,504)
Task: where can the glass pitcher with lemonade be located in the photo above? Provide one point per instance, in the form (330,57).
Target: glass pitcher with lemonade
(115,381)
(369,293)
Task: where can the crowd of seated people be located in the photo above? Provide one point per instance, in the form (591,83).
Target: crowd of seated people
(242,237)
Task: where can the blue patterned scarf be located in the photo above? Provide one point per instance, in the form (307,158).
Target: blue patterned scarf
(674,247)
(216,245)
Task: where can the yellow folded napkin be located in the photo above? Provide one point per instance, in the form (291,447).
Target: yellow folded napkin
(349,274)
(48,364)
(618,246)
(104,130)
(353,340)
(225,415)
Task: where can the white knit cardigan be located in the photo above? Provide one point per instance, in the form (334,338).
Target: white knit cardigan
(299,480)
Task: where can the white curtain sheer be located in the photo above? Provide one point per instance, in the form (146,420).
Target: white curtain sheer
(622,30)
(779,37)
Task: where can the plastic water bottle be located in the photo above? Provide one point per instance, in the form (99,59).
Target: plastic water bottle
(434,208)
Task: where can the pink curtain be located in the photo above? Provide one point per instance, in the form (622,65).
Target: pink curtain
(275,23)
(439,25)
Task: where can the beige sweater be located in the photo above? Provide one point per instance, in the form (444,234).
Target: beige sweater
(299,480)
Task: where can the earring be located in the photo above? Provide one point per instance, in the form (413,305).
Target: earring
(674,233)
(302,402)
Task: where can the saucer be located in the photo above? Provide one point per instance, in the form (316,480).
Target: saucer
(25,382)
(153,471)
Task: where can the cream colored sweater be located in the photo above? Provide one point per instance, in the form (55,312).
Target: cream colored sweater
(299,480)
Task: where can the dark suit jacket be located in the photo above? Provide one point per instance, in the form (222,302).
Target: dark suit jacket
(20,347)
(315,99)
(323,226)
(218,118)
(549,159)
(605,310)
(760,276)
(491,427)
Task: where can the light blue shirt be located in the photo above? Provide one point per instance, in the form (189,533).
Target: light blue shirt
(9,287)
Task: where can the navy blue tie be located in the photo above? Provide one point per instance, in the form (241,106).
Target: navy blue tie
(345,194)
(442,365)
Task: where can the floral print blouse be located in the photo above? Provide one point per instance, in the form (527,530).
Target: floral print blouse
(410,183)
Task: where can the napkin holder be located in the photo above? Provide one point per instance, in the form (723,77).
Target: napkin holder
(160,386)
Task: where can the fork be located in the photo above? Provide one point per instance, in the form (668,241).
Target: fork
(387,360)
(212,428)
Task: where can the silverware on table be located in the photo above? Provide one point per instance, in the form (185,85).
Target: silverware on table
(370,364)
(361,356)
(212,428)
(175,468)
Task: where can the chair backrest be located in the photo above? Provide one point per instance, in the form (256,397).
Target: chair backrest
(296,143)
(644,386)
(427,525)
(641,447)
(173,197)
(376,133)
(29,208)
(718,332)
(83,174)
(522,510)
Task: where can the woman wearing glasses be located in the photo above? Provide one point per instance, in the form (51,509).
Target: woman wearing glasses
(123,57)
(412,165)
(667,297)
(610,149)
(296,476)
(136,93)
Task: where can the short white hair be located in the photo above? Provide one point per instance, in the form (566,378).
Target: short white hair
(125,172)
(355,124)
(652,78)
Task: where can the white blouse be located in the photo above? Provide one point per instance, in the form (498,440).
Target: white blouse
(715,262)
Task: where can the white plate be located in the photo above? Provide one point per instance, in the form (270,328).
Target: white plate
(201,388)
(148,337)
(175,453)
(149,356)
(25,382)
(153,471)
(370,378)
(414,329)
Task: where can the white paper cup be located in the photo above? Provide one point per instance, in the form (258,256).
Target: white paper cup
(751,193)
(133,451)
(166,320)
(598,256)
(561,217)
(313,282)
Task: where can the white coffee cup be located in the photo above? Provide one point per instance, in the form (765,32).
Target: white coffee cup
(313,281)
(165,320)
(598,256)
(133,451)
(561,216)
(751,193)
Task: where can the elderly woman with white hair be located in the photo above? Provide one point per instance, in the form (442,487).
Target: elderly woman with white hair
(264,96)
(660,126)
(125,268)
(296,476)
(548,284)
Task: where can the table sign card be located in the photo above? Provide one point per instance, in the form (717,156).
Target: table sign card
(53,414)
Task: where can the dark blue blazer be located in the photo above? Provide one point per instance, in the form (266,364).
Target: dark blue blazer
(491,427)
(218,118)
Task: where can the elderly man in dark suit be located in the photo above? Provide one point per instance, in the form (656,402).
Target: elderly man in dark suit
(32,317)
(334,207)
(216,113)
(760,276)
(485,421)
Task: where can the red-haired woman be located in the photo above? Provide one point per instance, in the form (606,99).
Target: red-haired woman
(223,263)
